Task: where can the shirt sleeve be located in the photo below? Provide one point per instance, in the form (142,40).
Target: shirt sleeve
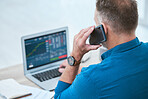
(82,88)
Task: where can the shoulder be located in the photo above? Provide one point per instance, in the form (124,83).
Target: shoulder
(95,68)
(143,48)
(144,44)
(100,72)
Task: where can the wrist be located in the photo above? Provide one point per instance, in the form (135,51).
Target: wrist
(77,56)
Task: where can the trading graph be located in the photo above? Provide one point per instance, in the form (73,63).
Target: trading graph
(38,49)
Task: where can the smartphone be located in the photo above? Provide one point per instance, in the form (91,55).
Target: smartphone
(97,36)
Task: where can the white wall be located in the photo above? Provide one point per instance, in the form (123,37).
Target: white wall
(23,17)
(142,30)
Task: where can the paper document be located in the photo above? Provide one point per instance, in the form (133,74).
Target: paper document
(38,93)
(9,88)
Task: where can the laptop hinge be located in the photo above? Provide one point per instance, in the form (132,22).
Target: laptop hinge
(44,69)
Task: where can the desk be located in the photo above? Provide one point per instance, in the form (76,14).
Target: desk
(17,72)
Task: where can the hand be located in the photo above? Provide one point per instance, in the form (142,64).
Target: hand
(79,46)
(63,66)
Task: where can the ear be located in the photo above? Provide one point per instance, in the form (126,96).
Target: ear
(105,28)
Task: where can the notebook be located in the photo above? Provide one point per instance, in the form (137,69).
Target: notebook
(10,89)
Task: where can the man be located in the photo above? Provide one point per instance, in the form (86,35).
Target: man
(123,72)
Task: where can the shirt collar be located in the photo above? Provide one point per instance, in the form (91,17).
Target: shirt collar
(122,48)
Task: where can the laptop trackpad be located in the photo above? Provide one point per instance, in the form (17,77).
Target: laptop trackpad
(50,84)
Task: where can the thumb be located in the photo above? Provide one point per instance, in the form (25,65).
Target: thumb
(61,70)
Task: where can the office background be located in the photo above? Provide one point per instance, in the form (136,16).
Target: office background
(23,17)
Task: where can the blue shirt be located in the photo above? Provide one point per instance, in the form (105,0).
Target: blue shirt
(122,74)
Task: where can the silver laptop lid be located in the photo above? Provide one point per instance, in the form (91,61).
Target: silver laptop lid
(44,50)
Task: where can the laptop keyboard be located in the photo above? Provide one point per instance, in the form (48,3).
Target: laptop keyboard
(43,76)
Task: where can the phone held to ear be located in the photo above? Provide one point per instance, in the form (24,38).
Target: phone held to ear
(97,36)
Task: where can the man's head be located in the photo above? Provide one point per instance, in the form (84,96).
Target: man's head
(118,16)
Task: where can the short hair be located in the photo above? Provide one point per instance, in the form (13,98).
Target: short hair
(121,15)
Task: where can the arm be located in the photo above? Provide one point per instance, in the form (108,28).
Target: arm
(82,84)
(79,49)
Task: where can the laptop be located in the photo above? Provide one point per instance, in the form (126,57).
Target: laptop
(42,55)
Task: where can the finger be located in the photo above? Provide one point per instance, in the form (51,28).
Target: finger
(86,35)
(86,29)
(61,70)
(78,35)
(93,47)
(83,31)
(63,64)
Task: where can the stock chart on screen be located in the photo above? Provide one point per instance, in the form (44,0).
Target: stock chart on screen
(46,49)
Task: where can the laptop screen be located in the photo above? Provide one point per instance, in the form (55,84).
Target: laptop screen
(45,49)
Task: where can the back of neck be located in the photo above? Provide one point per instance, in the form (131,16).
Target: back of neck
(119,39)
